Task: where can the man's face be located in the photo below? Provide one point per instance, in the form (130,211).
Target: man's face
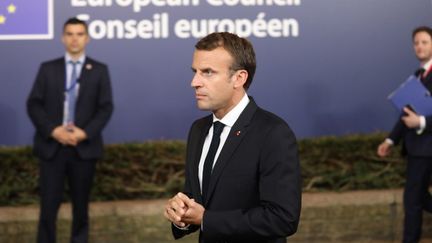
(423,46)
(213,81)
(75,38)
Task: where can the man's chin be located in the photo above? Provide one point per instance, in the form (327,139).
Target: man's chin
(203,107)
(75,51)
(423,58)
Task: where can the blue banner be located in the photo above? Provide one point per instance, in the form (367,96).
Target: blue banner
(324,66)
(21,19)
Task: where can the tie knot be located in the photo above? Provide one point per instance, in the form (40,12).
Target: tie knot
(217,128)
(74,63)
(419,72)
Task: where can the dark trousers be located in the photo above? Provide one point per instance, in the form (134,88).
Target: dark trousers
(416,196)
(79,173)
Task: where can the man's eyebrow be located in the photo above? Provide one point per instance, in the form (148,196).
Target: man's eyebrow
(207,69)
(203,69)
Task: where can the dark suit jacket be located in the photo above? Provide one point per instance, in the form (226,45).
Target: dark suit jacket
(255,188)
(413,143)
(93,109)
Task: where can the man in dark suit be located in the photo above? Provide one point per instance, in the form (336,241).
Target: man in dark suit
(416,132)
(242,170)
(69,105)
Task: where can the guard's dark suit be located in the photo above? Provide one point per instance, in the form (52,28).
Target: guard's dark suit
(93,110)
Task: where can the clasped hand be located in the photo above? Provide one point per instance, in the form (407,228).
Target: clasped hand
(69,135)
(183,211)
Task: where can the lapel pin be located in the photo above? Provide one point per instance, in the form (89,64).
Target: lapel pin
(89,66)
(237,133)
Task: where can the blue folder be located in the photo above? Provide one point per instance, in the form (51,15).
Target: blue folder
(413,93)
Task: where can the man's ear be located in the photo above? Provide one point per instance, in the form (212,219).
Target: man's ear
(240,78)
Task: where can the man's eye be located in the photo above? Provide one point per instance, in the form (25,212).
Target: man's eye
(208,72)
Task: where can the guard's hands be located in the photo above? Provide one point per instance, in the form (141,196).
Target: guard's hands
(69,135)
(79,134)
(63,136)
(411,120)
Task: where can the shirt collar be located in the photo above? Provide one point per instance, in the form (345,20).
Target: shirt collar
(231,117)
(81,59)
(427,65)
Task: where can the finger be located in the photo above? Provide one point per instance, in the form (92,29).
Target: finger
(171,214)
(63,141)
(181,199)
(188,201)
(166,215)
(182,196)
(379,152)
(194,214)
(173,217)
(408,111)
(407,121)
(72,142)
(177,206)
(382,152)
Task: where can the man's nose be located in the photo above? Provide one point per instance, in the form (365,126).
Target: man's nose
(196,82)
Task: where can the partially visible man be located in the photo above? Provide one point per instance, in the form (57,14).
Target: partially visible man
(70,103)
(242,170)
(416,132)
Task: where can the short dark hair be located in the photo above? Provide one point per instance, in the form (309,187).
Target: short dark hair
(419,29)
(75,20)
(239,48)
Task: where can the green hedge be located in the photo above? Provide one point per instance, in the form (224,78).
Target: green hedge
(154,169)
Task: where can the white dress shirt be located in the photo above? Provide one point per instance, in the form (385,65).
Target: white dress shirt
(228,120)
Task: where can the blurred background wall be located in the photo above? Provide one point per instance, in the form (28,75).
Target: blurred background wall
(326,67)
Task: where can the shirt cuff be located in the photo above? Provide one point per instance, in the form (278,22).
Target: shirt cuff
(182,228)
(202,222)
(422,125)
(389,141)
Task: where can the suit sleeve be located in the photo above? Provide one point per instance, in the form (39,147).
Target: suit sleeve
(35,105)
(178,233)
(280,195)
(428,128)
(105,106)
(397,132)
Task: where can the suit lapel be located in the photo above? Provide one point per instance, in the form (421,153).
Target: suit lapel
(428,81)
(60,78)
(84,76)
(236,135)
(196,153)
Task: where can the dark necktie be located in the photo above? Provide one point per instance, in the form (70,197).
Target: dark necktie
(419,74)
(209,160)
